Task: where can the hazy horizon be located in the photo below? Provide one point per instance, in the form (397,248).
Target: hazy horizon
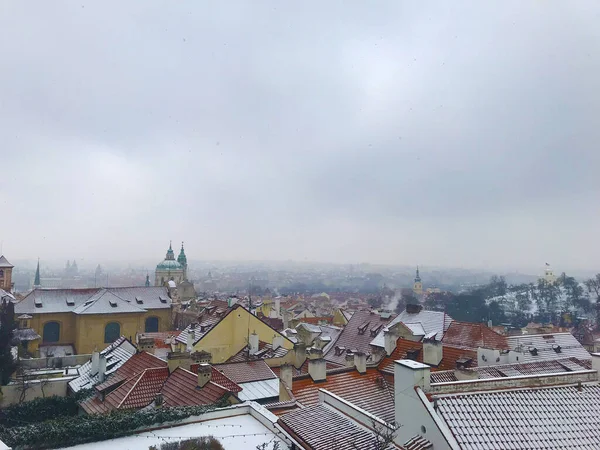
(407,134)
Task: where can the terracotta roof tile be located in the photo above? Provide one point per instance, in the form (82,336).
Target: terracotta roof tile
(473,335)
(244,372)
(373,391)
(181,389)
(219,378)
(323,428)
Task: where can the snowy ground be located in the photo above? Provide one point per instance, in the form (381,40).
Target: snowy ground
(240,432)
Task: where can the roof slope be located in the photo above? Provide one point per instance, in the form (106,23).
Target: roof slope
(543,418)
(140,390)
(473,335)
(324,428)
(432,322)
(356,336)
(42,300)
(548,346)
(372,391)
(247,371)
(4,264)
(181,389)
(219,378)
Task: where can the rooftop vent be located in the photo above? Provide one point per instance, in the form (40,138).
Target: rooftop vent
(139,301)
(70,301)
(162,299)
(363,328)
(557,348)
(463,363)
(38,303)
(533,351)
(413,354)
(113,303)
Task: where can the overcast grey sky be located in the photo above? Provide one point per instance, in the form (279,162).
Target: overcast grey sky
(434,133)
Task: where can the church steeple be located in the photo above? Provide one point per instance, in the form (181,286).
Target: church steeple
(418,285)
(417,277)
(147,280)
(182,259)
(36,282)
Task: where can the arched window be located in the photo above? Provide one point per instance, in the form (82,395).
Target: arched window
(51,332)
(151,325)
(112,331)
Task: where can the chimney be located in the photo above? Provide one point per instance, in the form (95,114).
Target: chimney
(408,406)
(277,341)
(300,354)
(432,352)
(204,374)
(145,344)
(389,341)
(201,357)
(286,375)
(158,399)
(413,309)
(101,368)
(95,361)
(317,369)
(349,359)
(315,353)
(277,307)
(490,323)
(596,363)
(360,361)
(191,337)
(178,359)
(286,319)
(465,374)
(253,344)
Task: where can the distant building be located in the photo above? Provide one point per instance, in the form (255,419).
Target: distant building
(549,274)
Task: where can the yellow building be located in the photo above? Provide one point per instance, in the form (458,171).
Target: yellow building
(232,333)
(89,319)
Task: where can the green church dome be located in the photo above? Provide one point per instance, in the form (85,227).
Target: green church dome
(169,264)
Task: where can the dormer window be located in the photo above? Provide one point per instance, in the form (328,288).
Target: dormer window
(533,351)
(139,301)
(463,363)
(70,301)
(162,299)
(557,348)
(38,302)
(113,303)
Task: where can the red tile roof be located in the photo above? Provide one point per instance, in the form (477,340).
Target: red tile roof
(219,378)
(138,391)
(373,391)
(473,335)
(181,389)
(449,356)
(355,339)
(245,372)
(132,367)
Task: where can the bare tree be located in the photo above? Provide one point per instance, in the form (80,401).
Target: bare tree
(383,437)
(23,383)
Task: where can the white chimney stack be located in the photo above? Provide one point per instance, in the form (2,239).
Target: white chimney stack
(191,337)
(389,341)
(286,375)
(433,352)
(277,307)
(102,368)
(360,361)
(95,361)
(349,360)
(317,369)
(277,341)
(253,344)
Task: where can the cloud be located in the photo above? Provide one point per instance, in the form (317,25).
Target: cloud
(461,136)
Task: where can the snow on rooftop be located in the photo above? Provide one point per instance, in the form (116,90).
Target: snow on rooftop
(243,431)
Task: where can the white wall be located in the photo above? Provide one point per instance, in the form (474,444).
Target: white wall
(55,386)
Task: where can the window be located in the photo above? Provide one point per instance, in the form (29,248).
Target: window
(1,273)
(51,332)
(151,324)
(112,331)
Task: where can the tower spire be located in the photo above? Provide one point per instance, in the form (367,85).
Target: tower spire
(36,282)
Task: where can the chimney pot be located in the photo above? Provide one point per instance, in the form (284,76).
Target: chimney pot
(360,361)
(317,369)
(102,368)
(253,344)
(204,374)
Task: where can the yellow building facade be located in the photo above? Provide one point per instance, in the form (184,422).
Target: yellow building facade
(90,319)
(232,334)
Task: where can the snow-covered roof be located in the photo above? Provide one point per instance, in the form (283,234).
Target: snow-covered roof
(116,354)
(429,322)
(538,347)
(259,390)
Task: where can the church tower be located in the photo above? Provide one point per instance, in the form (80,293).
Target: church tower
(169,269)
(418,286)
(182,259)
(549,274)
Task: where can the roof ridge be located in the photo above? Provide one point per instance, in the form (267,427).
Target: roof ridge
(139,377)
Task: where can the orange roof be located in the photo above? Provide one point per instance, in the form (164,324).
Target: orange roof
(139,391)
(449,356)
(181,389)
(219,378)
(373,391)
(473,335)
